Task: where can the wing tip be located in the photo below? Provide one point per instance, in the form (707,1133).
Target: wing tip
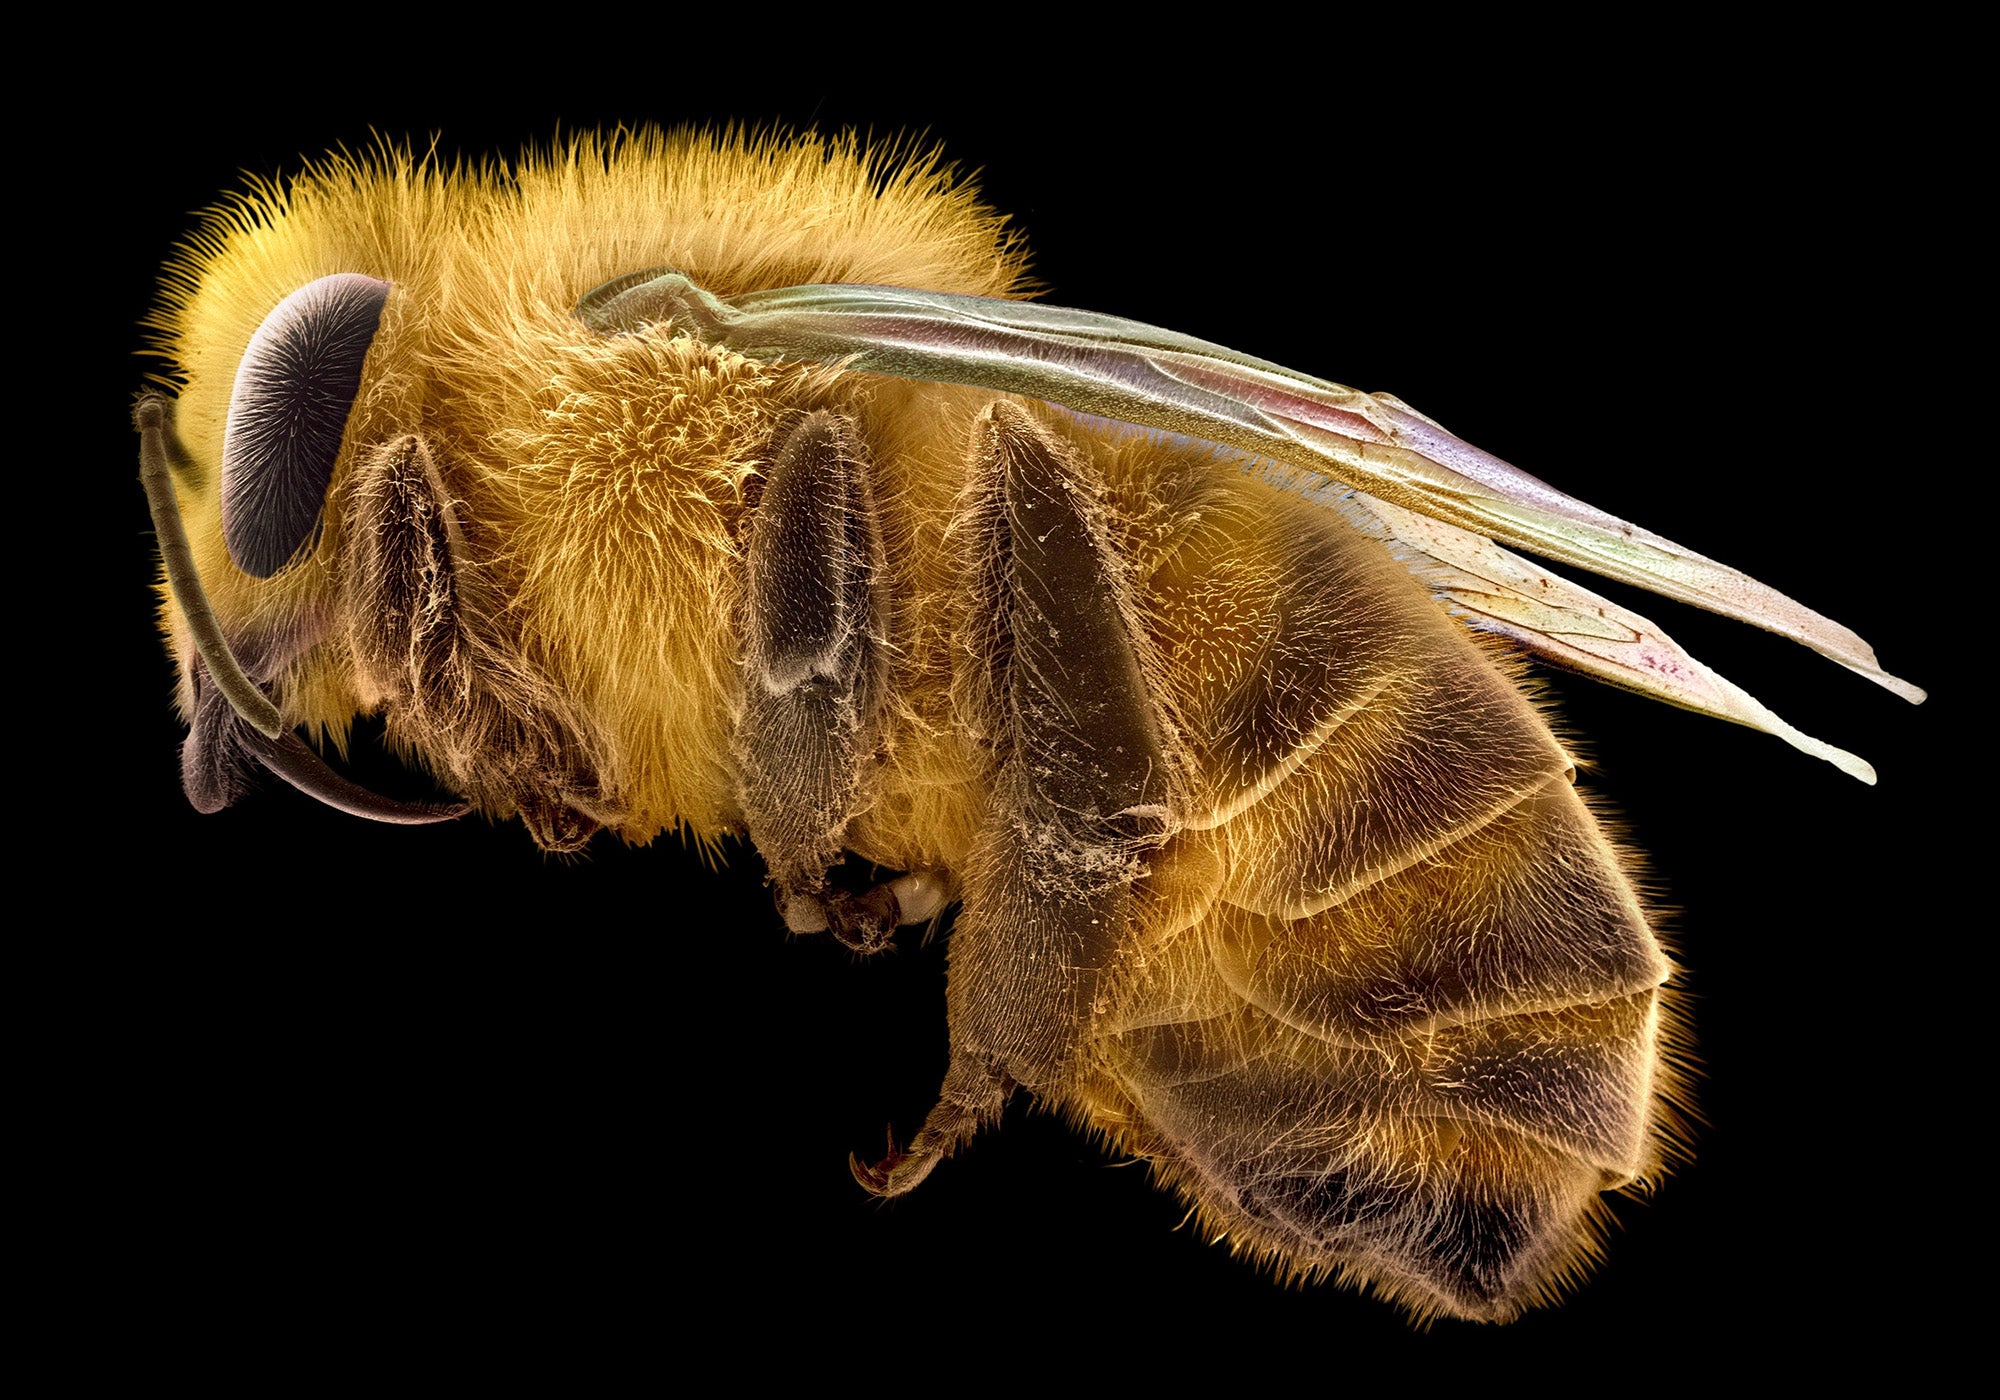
(1895,685)
(1846,762)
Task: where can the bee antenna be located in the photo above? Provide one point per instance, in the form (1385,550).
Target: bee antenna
(152,415)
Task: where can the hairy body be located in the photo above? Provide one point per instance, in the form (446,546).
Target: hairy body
(1271,873)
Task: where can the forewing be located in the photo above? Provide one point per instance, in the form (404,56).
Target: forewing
(1564,623)
(1439,495)
(1312,431)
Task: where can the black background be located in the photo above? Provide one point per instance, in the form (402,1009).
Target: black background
(342,1085)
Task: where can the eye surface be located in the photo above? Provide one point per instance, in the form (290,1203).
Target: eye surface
(295,388)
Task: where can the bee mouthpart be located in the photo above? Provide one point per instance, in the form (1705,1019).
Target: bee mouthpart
(213,767)
(289,757)
(211,757)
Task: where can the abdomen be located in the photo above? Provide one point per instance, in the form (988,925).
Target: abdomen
(1396,1016)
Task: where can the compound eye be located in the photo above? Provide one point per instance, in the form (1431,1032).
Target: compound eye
(294,390)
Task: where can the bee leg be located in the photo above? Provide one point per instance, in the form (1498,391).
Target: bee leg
(1084,796)
(425,634)
(865,922)
(973,1095)
(814,660)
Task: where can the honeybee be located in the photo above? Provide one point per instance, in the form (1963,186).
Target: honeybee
(819,425)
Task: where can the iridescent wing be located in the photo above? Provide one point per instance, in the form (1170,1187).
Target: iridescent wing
(1446,506)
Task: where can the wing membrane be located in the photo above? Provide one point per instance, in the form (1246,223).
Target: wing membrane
(1441,496)
(1571,626)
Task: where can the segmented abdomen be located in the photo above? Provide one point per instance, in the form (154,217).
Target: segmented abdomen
(1394,1012)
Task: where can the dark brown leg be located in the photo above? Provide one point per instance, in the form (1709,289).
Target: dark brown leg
(1085,789)
(814,638)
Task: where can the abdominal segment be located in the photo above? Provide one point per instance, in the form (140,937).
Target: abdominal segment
(1396,1016)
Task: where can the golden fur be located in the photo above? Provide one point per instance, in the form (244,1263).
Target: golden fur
(604,488)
